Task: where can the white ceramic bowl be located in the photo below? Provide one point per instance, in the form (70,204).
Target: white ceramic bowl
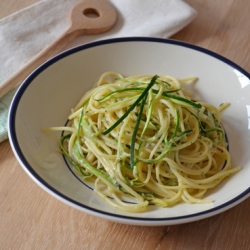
(46,97)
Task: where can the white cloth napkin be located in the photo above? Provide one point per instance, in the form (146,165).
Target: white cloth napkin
(26,32)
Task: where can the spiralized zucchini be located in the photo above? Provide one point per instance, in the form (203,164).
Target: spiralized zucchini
(143,140)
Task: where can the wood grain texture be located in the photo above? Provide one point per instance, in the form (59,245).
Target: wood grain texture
(221,26)
(31,219)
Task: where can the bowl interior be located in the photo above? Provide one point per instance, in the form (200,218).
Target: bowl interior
(48,94)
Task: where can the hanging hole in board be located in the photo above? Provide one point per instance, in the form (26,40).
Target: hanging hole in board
(91,13)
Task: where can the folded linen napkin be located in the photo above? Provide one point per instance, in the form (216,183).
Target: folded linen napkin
(26,32)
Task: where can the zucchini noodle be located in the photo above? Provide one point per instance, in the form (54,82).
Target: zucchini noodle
(143,140)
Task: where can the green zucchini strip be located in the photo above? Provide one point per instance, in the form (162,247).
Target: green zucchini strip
(206,130)
(132,106)
(137,124)
(98,173)
(180,100)
(118,91)
(149,113)
(71,160)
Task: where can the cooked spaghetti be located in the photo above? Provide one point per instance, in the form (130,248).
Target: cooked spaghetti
(143,140)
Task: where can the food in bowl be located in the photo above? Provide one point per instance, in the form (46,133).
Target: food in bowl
(145,140)
(46,97)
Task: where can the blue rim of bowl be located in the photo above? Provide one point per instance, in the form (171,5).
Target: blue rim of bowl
(16,148)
